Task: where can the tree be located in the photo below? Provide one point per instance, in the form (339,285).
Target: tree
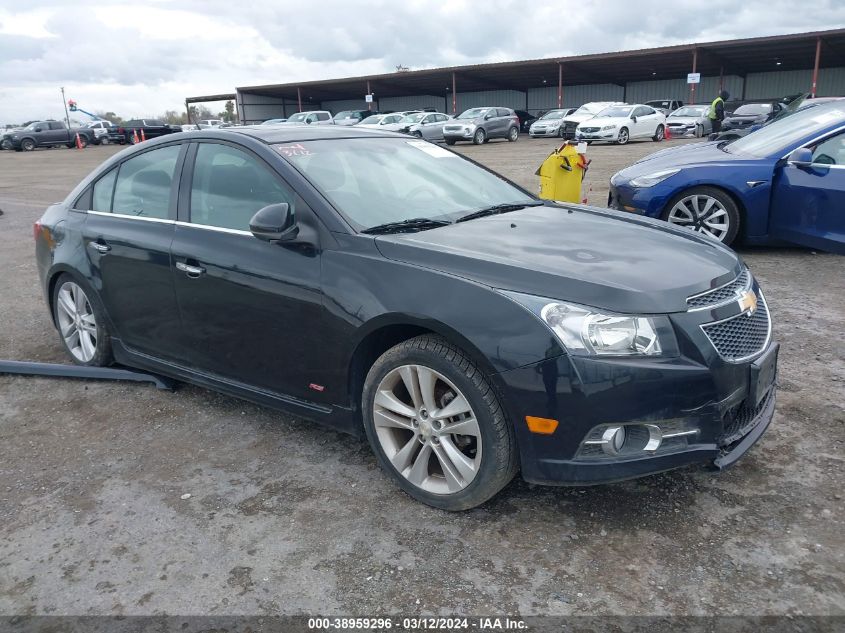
(174,118)
(110,116)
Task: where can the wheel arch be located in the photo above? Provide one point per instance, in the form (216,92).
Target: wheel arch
(383,332)
(53,277)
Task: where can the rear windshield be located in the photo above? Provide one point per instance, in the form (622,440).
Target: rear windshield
(473,113)
(753,108)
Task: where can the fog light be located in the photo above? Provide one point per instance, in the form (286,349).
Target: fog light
(613,439)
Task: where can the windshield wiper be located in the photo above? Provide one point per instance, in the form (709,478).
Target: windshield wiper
(497,209)
(414,224)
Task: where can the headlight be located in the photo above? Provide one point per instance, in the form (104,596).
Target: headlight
(584,331)
(649,180)
(608,127)
(15,137)
(470,127)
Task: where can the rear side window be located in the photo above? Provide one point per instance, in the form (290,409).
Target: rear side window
(230,186)
(503,112)
(56,126)
(323,116)
(103,190)
(144,183)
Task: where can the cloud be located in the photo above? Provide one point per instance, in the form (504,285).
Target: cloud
(140,60)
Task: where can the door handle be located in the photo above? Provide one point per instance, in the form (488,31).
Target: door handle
(100,247)
(191,271)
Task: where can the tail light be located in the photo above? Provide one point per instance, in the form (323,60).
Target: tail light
(40,230)
(36,230)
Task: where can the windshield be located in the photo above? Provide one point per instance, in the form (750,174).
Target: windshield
(657,104)
(373,181)
(690,111)
(31,127)
(298,117)
(753,108)
(615,112)
(346,114)
(590,108)
(473,113)
(392,118)
(778,137)
(372,120)
(413,118)
(554,114)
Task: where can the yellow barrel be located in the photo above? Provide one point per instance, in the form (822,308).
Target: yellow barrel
(562,173)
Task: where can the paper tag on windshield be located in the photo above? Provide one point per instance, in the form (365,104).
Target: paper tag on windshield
(431,149)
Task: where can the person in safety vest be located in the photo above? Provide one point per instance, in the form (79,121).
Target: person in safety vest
(717,111)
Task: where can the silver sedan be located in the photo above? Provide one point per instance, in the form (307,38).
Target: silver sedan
(690,120)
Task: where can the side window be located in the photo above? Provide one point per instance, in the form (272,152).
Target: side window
(830,151)
(144,182)
(428,119)
(441,117)
(103,190)
(230,186)
(323,116)
(55,125)
(503,112)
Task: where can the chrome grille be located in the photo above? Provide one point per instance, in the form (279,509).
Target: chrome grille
(589,130)
(742,336)
(721,295)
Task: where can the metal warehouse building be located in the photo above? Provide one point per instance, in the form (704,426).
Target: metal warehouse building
(750,69)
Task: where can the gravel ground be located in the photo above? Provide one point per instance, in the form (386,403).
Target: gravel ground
(285,517)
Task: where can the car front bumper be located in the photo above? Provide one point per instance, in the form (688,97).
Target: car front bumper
(648,201)
(717,402)
(459,135)
(543,132)
(607,135)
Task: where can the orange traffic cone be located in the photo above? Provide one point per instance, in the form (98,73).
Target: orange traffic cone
(135,136)
(143,138)
(667,132)
(78,141)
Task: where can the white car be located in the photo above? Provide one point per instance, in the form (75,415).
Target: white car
(550,124)
(205,124)
(382,121)
(309,117)
(584,113)
(621,123)
(402,121)
(101,131)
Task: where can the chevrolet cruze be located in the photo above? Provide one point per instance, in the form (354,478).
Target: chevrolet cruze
(387,287)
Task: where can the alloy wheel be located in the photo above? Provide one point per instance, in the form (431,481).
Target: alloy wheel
(701,213)
(77,324)
(427,429)
(623,136)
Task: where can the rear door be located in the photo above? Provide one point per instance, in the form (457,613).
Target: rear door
(251,309)
(127,236)
(808,203)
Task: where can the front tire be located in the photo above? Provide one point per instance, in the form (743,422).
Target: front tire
(479,137)
(79,317)
(27,145)
(707,210)
(436,425)
(623,137)
(450,142)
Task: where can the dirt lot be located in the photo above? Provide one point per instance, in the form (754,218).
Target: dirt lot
(285,517)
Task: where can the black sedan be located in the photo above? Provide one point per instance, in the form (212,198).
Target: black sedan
(748,116)
(387,287)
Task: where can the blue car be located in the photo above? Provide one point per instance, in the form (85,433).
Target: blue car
(784,183)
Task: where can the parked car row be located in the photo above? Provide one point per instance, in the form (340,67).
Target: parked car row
(46,134)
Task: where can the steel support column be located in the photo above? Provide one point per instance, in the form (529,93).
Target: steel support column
(559,85)
(454,96)
(721,78)
(816,67)
(694,66)
(299,97)
(370,104)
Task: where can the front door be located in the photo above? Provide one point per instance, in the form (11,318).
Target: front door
(251,310)
(128,231)
(808,202)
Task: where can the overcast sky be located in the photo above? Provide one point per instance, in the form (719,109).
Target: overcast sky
(145,57)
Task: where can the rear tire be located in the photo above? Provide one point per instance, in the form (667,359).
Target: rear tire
(80,320)
(479,137)
(659,134)
(451,471)
(513,134)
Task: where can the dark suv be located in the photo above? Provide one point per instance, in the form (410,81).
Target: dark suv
(479,125)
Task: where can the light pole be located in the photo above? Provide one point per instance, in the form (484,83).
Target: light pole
(64,103)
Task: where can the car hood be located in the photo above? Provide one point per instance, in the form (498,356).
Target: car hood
(579,118)
(686,120)
(742,120)
(684,156)
(594,257)
(606,120)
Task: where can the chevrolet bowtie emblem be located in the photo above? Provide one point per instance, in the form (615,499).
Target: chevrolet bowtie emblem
(747,302)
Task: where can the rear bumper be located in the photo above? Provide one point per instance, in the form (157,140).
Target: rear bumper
(585,393)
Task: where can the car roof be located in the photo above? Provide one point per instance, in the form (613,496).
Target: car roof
(294,133)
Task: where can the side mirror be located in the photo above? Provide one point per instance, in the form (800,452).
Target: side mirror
(633,118)
(39,129)
(487,117)
(801,157)
(274,223)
